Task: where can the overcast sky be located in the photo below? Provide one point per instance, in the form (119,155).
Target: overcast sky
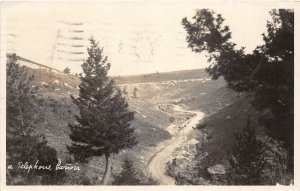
(137,37)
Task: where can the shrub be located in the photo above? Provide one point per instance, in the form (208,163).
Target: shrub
(129,176)
(246,160)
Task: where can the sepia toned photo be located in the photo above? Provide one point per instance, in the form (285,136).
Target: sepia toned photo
(125,93)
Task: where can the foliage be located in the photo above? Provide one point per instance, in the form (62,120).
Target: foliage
(208,34)
(103,125)
(268,73)
(67,70)
(23,142)
(275,93)
(124,91)
(135,92)
(246,159)
(129,176)
(278,170)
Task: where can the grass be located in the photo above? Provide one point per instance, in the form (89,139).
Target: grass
(150,121)
(58,110)
(221,127)
(225,109)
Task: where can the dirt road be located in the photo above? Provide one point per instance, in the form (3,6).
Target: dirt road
(157,163)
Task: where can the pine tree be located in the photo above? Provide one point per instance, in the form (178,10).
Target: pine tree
(67,70)
(23,142)
(103,125)
(125,91)
(267,73)
(276,90)
(135,92)
(246,160)
(209,34)
(129,176)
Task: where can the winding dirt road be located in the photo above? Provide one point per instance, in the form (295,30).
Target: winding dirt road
(157,162)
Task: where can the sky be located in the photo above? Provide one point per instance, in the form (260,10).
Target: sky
(137,36)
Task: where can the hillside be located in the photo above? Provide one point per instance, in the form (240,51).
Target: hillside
(154,106)
(164,76)
(33,64)
(218,136)
(155,99)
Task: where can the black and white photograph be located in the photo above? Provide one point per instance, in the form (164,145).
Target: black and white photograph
(148,93)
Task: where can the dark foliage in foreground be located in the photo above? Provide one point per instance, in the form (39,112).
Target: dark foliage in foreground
(23,142)
(129,176)
(267,73)
(246,159)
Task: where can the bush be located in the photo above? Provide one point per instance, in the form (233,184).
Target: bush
(23,142)
(67,70)
(246,159)
(129,176)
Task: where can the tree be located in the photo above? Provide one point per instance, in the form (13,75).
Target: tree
(23,142)
(125,91)
(135,92)
(208,34)
(275,93)
(246,159)
(67,70)
(129,176)
(267,73)
(103,125)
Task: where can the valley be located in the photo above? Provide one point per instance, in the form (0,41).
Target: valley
(167,106)
(93,97)
(156,165)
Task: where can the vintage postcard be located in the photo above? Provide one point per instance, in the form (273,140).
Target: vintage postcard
(148,93)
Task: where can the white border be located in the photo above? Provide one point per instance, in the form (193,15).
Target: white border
(211,4)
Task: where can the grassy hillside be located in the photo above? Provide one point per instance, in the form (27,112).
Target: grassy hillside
(155,94)
(150,122)
(218,139)
(221,127)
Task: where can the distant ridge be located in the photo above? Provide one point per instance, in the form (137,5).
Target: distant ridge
(19,58)
(139,78)
(163,76)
